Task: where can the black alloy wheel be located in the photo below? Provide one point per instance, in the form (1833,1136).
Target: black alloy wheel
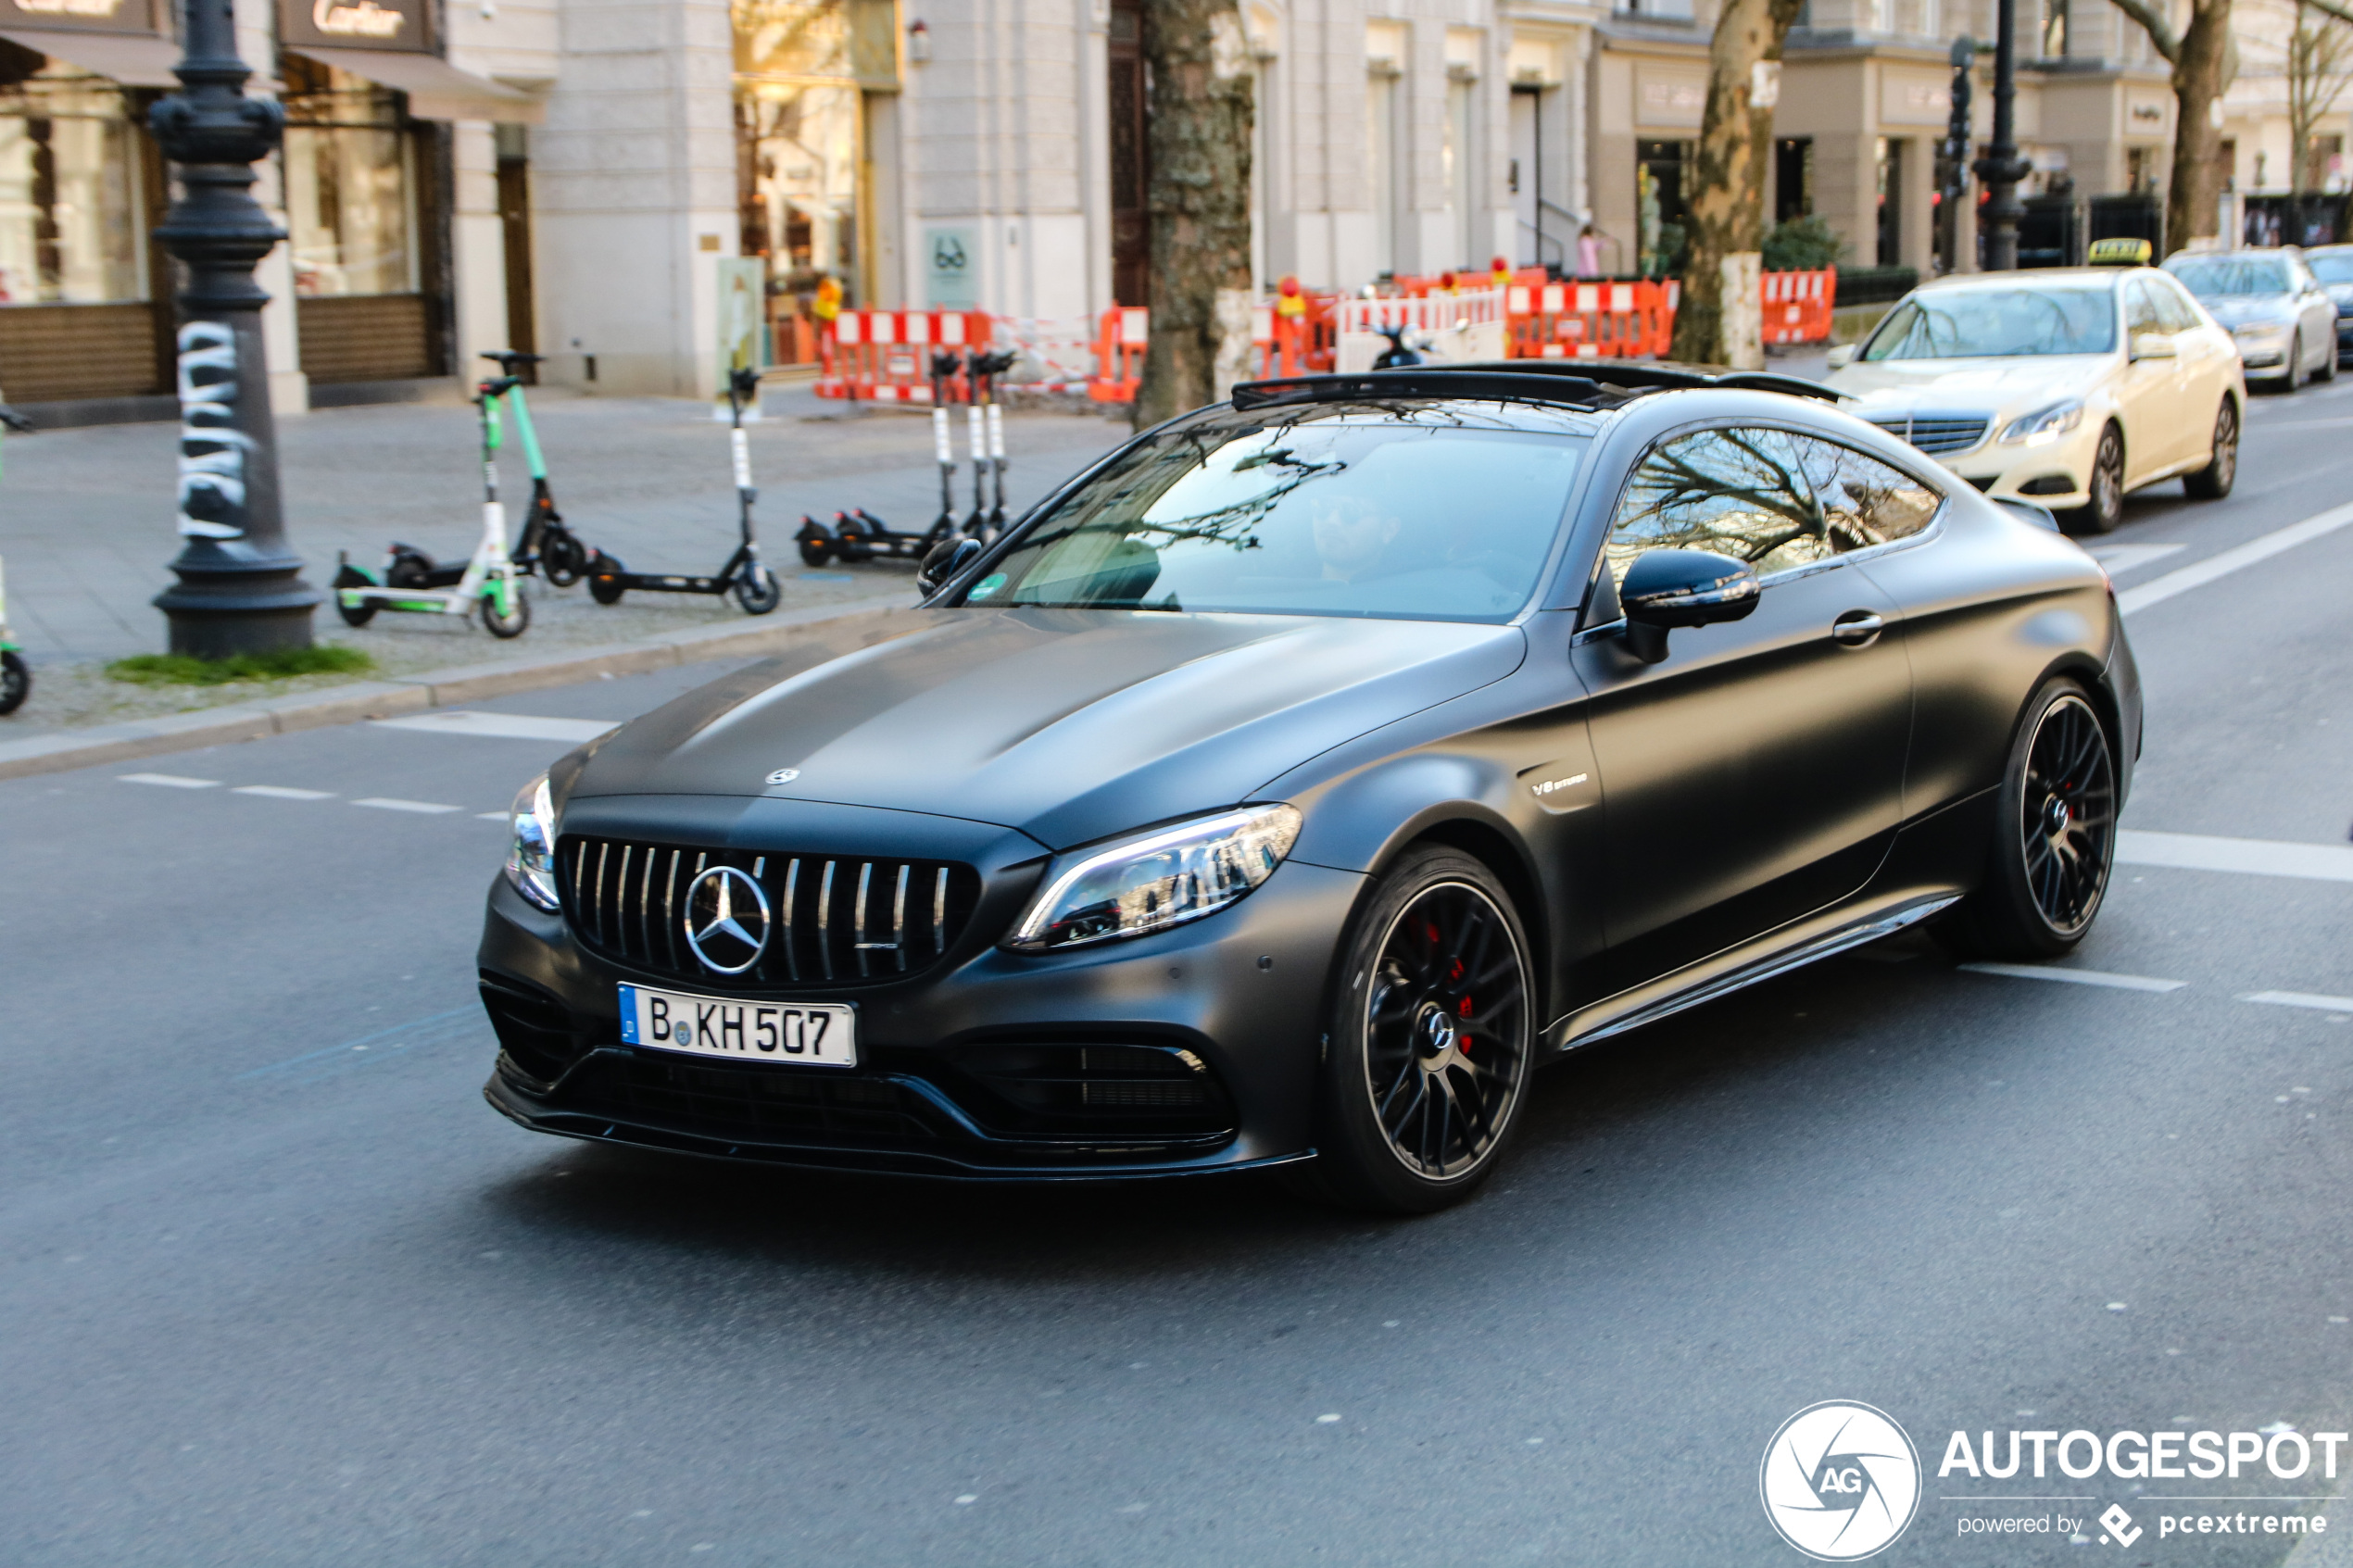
(2055,834)
(2107,487)
(1429,1042)
(2214,481)
(15,680)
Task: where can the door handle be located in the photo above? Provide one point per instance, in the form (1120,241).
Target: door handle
(1856,628)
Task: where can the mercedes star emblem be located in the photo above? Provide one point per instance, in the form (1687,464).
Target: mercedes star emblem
(783,775)
(727,920)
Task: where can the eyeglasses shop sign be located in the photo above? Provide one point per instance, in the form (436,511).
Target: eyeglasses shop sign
(403,26)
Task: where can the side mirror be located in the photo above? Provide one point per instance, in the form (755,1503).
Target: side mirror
(1668,588)
(2152,346)
(1842,356)
(943,561)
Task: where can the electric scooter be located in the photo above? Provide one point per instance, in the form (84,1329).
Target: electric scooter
(859,536)
(489,576)
(547,547)
(755,587)
(988,419)
(15,676)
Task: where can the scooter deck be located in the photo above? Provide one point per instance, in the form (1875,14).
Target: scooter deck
(639,581)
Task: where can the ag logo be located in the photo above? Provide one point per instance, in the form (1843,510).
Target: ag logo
(1840,1481)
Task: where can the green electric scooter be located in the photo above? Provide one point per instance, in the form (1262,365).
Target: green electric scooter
(547,547)
(16,677)
(490,577)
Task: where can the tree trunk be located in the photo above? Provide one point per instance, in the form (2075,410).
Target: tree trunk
(2198,79)
(1198,129)
(1727,200)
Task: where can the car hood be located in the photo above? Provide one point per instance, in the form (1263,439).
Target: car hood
(2238,311)
(1985,386)
(2341,292)
(1069,725)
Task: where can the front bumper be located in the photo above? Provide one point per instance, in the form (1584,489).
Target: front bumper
(2057,474)
(1242,991)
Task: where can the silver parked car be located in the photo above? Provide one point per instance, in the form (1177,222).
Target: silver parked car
(2276,310)
(2334,266)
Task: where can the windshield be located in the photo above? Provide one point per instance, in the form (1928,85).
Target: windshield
(1998,323)
(2336,268)
(1434,513)
(2219,277)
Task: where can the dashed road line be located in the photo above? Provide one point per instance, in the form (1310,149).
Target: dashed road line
(170,781)
(2301,999)
(425,807)
(500,726)
(283,791)
(2122,559)
(2255,857)
(2074,976)
(2200,574)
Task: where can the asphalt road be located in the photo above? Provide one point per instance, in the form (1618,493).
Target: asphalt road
(278,1288)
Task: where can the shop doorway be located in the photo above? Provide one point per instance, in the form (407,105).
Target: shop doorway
(1131,228)
(1659,212)
(1890,182)
(514,223)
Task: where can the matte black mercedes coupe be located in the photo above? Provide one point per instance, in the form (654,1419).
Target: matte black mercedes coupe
(1289,786)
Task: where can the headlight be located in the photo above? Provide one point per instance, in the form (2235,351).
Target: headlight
(531,858)
(2044,425)
(1156,880)
(2260,329)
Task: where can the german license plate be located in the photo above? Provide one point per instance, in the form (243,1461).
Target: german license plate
(801,1034)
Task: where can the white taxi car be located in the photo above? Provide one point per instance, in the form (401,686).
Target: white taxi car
(2067,387)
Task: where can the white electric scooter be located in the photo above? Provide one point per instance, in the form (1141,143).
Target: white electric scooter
(490,576)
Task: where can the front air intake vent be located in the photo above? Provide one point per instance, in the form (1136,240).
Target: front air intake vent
(833,920)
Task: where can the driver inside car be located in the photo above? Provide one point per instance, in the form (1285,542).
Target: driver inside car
(1352,534)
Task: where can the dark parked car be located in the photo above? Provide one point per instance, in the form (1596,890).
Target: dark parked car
(1287,786)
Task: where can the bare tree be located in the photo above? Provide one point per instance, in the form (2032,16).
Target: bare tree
(2203,62)
(1727,208)
(1198,128)
(2320,66)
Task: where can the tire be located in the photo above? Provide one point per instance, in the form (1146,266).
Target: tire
(815,552)
(563,560)
(512,624)
(2214,481)
(2327,372)
(2293,380)
(2107,507)
(15,680)
(2055,835)
(409,569)
(758,590)
(354,615)
(1427,1059)
(605,586)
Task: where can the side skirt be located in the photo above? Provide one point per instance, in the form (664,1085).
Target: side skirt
(1583,1029)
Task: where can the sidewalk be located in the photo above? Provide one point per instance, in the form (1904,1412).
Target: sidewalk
(86,523)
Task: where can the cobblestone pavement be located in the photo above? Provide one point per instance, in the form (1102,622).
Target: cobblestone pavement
(85,518)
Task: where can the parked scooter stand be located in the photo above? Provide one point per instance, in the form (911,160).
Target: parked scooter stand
(988,419)
(547,547)
(755,587)
(489,576)
(15,676)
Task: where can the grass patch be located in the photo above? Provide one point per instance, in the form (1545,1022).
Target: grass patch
(180,670)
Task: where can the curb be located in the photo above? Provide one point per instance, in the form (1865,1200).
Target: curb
(831,628)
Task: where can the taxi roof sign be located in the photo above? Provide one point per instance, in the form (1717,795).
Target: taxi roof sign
(2120,253)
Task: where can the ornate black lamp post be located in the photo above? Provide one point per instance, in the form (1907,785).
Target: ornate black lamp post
(240,589)
(2001,168)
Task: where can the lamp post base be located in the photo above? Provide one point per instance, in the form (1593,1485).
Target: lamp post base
(233,599)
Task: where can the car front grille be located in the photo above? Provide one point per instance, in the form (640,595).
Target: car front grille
(834,920)
(1937,432)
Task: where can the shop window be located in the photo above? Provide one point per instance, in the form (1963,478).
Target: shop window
(2053,30)
(1659,210)
(1793,179)
(350,206)
(799,129)
(2323,163)
(71,221)
(1890,181)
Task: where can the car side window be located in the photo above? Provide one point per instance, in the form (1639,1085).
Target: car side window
(1736,491)
(2174,306)
(2140,309)
(1863,501)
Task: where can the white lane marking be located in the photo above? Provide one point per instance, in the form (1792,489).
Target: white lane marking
(168,780)
(427,807)
(2075,976)
(282,792)
(500,726)
(2122,559)
(2301,999)
(493,816)
(2200,574)
(2257,856)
